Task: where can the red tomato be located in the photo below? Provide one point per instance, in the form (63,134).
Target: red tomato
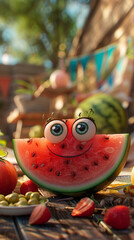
(8,177)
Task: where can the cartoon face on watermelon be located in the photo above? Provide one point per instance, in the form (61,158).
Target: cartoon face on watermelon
(71,158)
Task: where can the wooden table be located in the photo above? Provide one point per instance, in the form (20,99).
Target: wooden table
(62,226)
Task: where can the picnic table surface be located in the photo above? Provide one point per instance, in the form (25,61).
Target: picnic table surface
(61,225)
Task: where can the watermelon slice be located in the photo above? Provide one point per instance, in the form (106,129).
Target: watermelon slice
(71,158)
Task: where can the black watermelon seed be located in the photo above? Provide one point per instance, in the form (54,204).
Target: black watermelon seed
(106,138)
(106,157)
(67,161)
(80,147)
(35,165)
(63,145)
(86,168)
(58,173)
(96,163)
(74,174)
(51,170)
(29,141)
(33,154)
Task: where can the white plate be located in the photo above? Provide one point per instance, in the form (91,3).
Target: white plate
(16,211)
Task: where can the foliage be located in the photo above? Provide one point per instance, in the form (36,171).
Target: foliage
(130,50)
(25,87)
(28,86)
(41,27)
(3,153)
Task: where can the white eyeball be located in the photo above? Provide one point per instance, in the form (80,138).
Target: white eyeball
(55,131)
(83,129)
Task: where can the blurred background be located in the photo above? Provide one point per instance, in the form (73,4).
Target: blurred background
(59,56)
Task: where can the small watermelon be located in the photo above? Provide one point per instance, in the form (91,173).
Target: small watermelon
(72,159)
(109,115)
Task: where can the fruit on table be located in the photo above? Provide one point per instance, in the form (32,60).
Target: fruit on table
(8,177)
(23,199)
(3,203)
(12,198)
(15,199)
(27,186)
(39,215)
(118,217)
(59,78)
(84,208)
(28,195)
(109,115)
(36,131)
(21,203)
(72,159)
(32,201)
(2,197)
(35,195)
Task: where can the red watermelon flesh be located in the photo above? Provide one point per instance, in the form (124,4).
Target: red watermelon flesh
(72,166)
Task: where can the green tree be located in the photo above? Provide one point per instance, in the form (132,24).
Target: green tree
(40,27)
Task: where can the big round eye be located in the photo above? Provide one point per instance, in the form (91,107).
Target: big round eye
(55,131)
(83,129)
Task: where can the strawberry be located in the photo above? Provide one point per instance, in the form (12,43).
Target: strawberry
(118,217)
(27,186)
(39,215)
(84,208)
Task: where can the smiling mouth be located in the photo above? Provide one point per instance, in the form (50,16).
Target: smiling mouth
(69,156)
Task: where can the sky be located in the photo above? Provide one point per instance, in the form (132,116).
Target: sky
(74,8)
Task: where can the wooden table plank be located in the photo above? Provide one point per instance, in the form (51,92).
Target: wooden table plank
(48,231)
(61,226)
(8,229)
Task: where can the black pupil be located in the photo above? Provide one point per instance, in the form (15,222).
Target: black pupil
(82,128)
(57,129)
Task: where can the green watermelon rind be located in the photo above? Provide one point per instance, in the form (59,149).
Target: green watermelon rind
(109,105)
(94,186)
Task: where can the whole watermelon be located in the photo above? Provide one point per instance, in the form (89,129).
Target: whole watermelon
(108,113)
